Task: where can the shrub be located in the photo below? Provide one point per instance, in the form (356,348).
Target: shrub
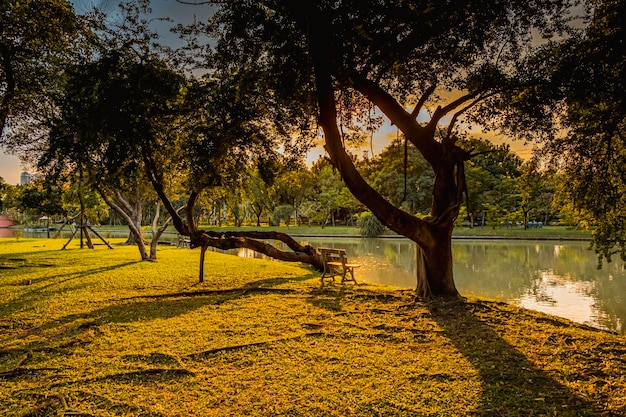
(282,214)
(370,226)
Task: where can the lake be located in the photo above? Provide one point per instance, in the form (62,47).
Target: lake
(555,277)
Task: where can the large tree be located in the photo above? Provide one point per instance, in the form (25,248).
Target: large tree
(35,36)
(426,66)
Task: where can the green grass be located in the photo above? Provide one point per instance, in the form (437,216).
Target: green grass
(546,232)
(99,333)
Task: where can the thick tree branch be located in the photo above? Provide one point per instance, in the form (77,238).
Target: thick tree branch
(249,240)
(283,237)
(391,216)
(157,183)
(121,201)
(421,137)
(473,103)
(191,202)
(418,107)
(441,112)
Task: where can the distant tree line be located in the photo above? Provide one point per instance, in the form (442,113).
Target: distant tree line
(505,190)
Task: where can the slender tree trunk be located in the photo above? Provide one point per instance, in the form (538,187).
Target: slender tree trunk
(203,249)
(130,217)
(141,244)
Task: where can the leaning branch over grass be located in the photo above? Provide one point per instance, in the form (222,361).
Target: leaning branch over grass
(254,240)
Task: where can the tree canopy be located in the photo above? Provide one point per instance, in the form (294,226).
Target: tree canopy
(426,66)
(35,38)
(579,108)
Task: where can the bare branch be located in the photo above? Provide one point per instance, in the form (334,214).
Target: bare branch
(466,108)
(442,111)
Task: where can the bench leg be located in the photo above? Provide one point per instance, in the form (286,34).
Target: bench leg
(351,278)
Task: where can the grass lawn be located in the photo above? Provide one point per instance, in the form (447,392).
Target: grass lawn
(98,333)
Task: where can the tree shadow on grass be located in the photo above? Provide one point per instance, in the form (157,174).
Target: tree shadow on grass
(40,287)
(512,384)
(273,282)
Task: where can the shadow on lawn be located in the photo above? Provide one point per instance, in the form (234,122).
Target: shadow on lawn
(169,305)
(41,287)
(513,386)
(272,282)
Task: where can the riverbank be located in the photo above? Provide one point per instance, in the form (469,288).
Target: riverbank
(479,232)
(96,332)
(485,232)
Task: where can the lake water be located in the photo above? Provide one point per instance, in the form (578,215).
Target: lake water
(555,277)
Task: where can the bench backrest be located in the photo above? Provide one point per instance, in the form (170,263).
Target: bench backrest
(333,255)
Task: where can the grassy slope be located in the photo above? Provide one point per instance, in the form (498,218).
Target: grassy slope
(96,332)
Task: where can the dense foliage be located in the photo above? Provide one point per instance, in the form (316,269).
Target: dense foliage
(36,37)
(580,111)
(316,195)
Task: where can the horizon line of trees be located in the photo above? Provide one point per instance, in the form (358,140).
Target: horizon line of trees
(505,190)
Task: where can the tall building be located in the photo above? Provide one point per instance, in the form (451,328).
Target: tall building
(25,178)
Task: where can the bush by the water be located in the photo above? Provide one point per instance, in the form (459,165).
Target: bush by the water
(370,226)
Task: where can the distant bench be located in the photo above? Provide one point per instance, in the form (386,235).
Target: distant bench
(336,265)
(183,241)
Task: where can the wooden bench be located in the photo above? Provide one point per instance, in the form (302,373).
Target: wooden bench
(336,265)
(183,241)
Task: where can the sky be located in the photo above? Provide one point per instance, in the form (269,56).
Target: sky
(10,167)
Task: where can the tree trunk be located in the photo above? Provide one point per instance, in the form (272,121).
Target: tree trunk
(434,267)
(134,238)
(132,218)
(432,234)
(157,231)
(141,245)
(201,273)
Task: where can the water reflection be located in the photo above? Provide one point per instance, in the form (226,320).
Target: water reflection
(553,277)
